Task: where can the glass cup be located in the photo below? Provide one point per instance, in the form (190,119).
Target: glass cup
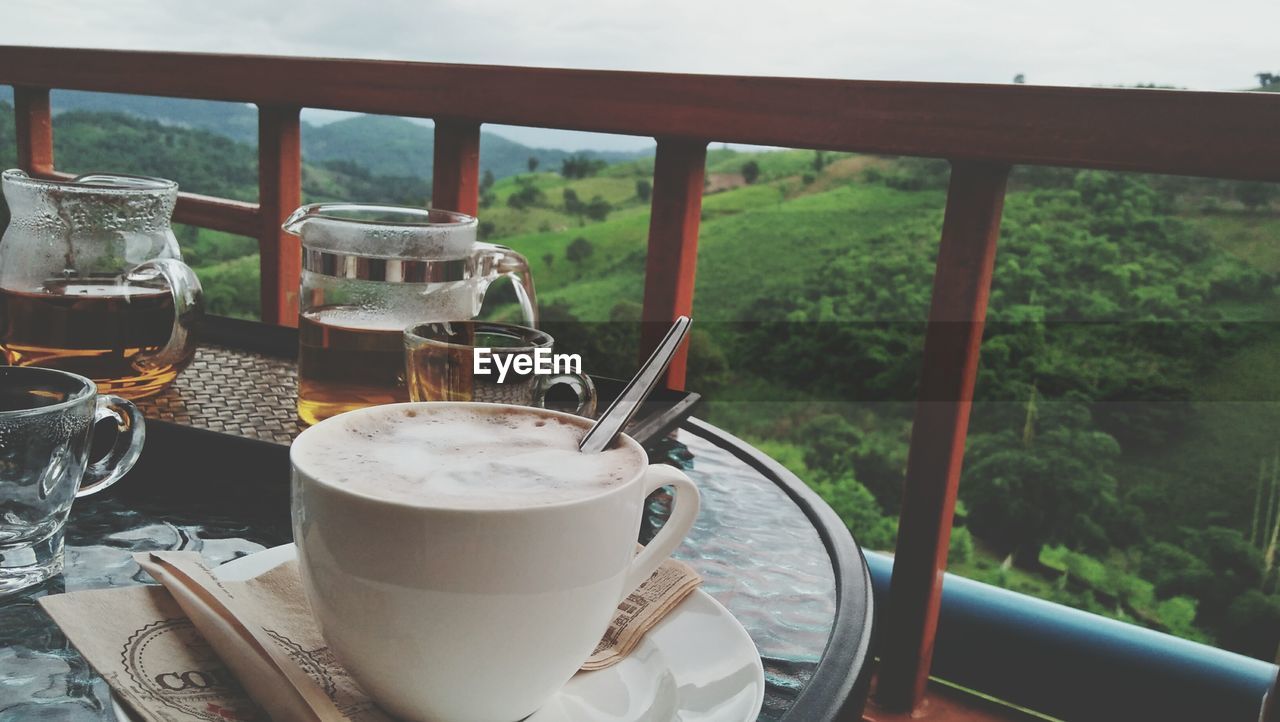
(47,419)
(440,365)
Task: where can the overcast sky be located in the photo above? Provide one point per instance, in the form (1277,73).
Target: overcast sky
(1190,43)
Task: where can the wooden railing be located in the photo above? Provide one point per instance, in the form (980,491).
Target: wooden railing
(982,129)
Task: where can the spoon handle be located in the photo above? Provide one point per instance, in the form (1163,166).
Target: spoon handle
(612,421)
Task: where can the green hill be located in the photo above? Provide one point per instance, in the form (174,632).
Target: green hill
(237,121)
(199,160)
(385,145)
(396,146)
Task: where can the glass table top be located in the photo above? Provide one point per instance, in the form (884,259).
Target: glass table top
(757,552)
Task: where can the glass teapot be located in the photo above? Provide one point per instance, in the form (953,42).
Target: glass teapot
(92,281)
(368,273)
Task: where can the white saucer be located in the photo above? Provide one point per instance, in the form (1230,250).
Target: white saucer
(698,664)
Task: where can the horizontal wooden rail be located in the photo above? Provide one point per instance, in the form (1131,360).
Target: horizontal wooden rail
(220,214)
(1219,134)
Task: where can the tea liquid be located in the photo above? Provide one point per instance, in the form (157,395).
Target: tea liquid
(95,328)
(348,358)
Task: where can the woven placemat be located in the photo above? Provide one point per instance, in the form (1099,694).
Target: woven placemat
(254,395)
(232,391)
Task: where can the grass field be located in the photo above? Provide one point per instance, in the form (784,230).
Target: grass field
(754,241)
(1254,237)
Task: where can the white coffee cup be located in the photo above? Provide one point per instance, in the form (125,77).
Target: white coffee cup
(472,614)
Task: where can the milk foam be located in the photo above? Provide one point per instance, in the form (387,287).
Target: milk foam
(462,457)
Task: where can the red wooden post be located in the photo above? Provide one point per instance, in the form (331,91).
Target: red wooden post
(676,208)
(279,193)
(33,124)
(961,285)
(455,174)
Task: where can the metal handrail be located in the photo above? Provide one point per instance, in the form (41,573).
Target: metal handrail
(1075,665)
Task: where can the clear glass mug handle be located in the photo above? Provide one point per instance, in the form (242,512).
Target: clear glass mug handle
(188,307)
(503,261)
(581,384)
(130,433)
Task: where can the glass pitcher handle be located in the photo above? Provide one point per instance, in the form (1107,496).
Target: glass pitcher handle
(507,262)
(188,307)
(581,385)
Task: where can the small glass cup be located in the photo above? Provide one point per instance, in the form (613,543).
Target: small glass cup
(47,418)
(440,365)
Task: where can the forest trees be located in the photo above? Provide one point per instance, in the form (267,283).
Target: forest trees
(1103,313)
(526,195)
(1046,480)
(579,250)
(581,166)
(1256,195)
(597,209)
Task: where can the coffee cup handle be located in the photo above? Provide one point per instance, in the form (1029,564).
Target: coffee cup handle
(684,511)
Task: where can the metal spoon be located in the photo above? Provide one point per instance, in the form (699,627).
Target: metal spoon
(611,422)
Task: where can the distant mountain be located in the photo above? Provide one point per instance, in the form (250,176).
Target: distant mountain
(385,145)
(394,146)
(237,121)
(199,160)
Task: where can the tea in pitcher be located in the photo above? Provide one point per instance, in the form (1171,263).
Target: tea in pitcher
(348,359)
(92,327)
